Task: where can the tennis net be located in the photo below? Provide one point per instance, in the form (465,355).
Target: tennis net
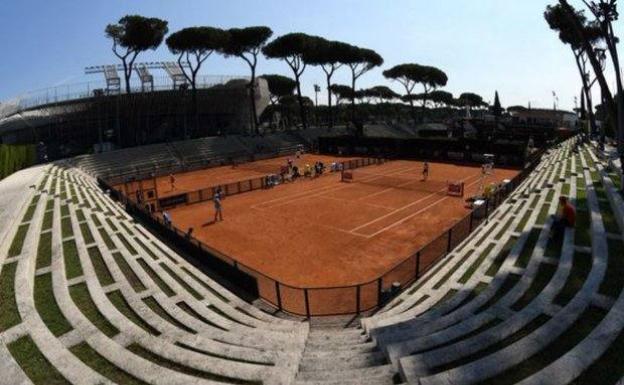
(398,182)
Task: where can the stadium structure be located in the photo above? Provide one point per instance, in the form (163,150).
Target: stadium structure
(96,287)
(86,117)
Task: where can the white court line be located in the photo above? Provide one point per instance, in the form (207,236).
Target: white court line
(411,215)
(313,193)
(404,207)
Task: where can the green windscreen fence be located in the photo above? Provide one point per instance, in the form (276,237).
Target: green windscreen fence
(16,157)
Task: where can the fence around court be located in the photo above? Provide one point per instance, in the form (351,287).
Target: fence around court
(149,194)
(327,301)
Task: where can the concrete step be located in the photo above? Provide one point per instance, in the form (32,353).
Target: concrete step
(342,360)
(363,375)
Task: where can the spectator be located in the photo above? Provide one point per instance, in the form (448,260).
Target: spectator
(566,217)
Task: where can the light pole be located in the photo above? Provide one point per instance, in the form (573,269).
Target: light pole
(317,89)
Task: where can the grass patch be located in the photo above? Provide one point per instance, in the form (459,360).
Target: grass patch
(608,218)
(44,250)
(449,294)
(224,315)
(471,295)
(86,234)
(488,325)
(111,224)
(48,216)
(190,311)
(163,252)
(550,195)
(501,257)
(504,228)
(565,189)
(582,234)
(80,215)
(118,300)
(544,273)
(30,212)
(18,241)
(534,201)
(501,344)
(95,220)
(130,275)
(612,283)
(510,281)
(558,347)
(453,270)
(48,308)
(101,365)
(211,354)
(166,363)
(156,308)
(73,268)
(34,364)
(66,227)
(182,282)
(608,369)
(542,216)
(129,247)
(527,249)
(147,250)
(156,278)
(205,285)
(523,221)
(101,271)
(581,265)
(9,315)
(107,239)
(475,265)
(82,298)
(64,210)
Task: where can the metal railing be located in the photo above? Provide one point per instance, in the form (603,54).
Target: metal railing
(336,300)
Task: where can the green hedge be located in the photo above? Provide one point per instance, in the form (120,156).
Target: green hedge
(16,157)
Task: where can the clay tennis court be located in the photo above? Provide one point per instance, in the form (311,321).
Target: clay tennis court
(326,233)
(196,180)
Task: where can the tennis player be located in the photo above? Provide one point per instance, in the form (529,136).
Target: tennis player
(425,171)
(217,205)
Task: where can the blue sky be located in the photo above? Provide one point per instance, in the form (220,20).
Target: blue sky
(483,45)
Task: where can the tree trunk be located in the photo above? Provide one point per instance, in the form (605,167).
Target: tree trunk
(587,91)
(353,96)
(330,121)
(302,111)
(578,28)
(252,95)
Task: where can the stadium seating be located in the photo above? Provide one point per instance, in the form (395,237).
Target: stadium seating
(87,295)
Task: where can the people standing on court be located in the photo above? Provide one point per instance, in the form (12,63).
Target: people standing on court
(217,206)
(425,171)
(172,181)
(167,218)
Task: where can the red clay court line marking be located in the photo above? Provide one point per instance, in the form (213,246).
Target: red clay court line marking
(403,208)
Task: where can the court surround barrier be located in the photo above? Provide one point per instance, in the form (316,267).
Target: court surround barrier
(339,300)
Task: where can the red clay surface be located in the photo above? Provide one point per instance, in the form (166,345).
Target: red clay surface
(323,232)
(196,180)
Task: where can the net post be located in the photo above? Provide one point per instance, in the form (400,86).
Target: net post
(448,243)
(278,294)
(357,299)
(307,302)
